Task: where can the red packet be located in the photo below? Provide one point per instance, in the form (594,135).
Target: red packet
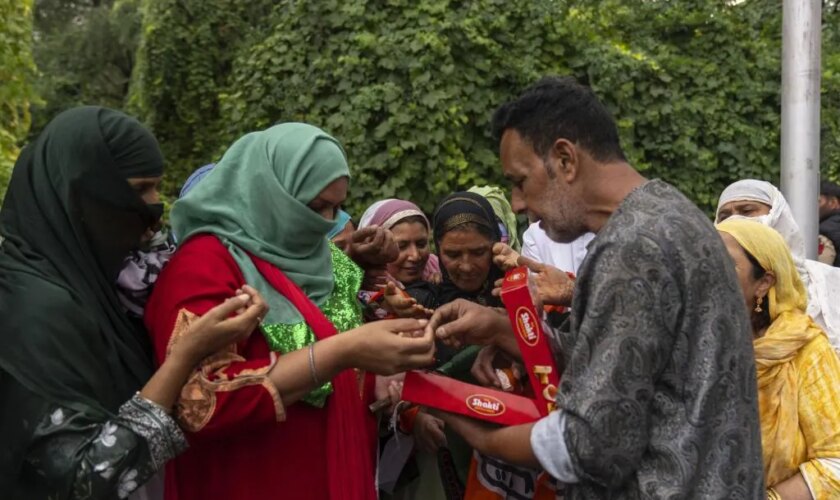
(527,325)
(447,394)
(450,395)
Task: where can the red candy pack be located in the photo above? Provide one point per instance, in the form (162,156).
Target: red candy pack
(533,344)
(444,393)
(454,396)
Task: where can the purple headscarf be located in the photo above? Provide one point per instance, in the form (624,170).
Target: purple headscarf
(388,213)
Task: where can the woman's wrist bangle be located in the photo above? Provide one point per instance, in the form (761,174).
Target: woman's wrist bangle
(312,366)
(772,494)
(159,406)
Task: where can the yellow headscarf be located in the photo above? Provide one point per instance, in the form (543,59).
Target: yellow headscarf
(790,330)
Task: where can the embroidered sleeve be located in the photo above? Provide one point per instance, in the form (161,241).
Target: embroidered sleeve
(160,431)
(75,457)
(225,390)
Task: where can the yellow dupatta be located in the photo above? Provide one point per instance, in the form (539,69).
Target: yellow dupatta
(783,443)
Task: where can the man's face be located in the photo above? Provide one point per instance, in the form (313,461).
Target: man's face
(545,198)
(828,204)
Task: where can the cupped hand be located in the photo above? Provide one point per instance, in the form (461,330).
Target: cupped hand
(428,432)
(373,246)
(401,304)
(387,347)
(230,322)
(483,369)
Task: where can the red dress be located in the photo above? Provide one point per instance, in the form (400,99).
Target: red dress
(244,444)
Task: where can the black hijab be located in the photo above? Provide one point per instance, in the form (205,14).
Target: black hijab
(69,219)
(455,210)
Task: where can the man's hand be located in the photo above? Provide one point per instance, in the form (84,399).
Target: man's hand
(554,287)
(511,444)
(463,322)
(373,246)
(551,285)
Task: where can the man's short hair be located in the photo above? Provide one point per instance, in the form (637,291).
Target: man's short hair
(828,188)
(560,107)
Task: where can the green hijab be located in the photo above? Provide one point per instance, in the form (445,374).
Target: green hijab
(255,201)
(69,220)
(502,209)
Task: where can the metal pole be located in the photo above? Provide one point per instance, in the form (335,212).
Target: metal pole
(801,30)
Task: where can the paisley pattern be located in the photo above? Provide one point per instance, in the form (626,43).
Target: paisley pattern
(659,387)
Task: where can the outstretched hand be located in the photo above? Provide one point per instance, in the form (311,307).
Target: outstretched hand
(463,322)
(392,346)
(401,304)
(505,257)
(373,246)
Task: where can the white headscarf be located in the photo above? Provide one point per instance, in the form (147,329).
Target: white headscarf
(821,281)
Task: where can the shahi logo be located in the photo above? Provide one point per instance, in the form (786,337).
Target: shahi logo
(516,277)
(485,405)
(527,326)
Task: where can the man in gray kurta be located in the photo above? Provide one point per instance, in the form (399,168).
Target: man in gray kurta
(658,395)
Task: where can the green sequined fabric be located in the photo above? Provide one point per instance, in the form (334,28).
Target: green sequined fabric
(342,308)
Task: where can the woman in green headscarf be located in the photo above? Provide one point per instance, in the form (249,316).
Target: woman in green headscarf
(281,411)
(504,213)
(73,423)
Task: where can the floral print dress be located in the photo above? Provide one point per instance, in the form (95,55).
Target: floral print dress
(69,454)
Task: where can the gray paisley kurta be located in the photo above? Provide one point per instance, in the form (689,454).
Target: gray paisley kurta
(659,388)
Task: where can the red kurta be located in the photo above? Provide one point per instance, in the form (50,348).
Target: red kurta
(243,443)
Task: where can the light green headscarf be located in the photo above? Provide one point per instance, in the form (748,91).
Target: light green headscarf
(255,200)
(502,209)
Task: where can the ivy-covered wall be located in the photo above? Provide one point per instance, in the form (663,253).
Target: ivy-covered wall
(409,85)
(17,72)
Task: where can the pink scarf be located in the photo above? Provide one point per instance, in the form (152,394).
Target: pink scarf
(388,213)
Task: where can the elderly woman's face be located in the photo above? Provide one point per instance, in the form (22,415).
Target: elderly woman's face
(467,256)
(746,208)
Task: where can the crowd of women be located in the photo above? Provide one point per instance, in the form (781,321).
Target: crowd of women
(254,348)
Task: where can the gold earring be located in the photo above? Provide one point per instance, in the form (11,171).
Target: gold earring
(758,302)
